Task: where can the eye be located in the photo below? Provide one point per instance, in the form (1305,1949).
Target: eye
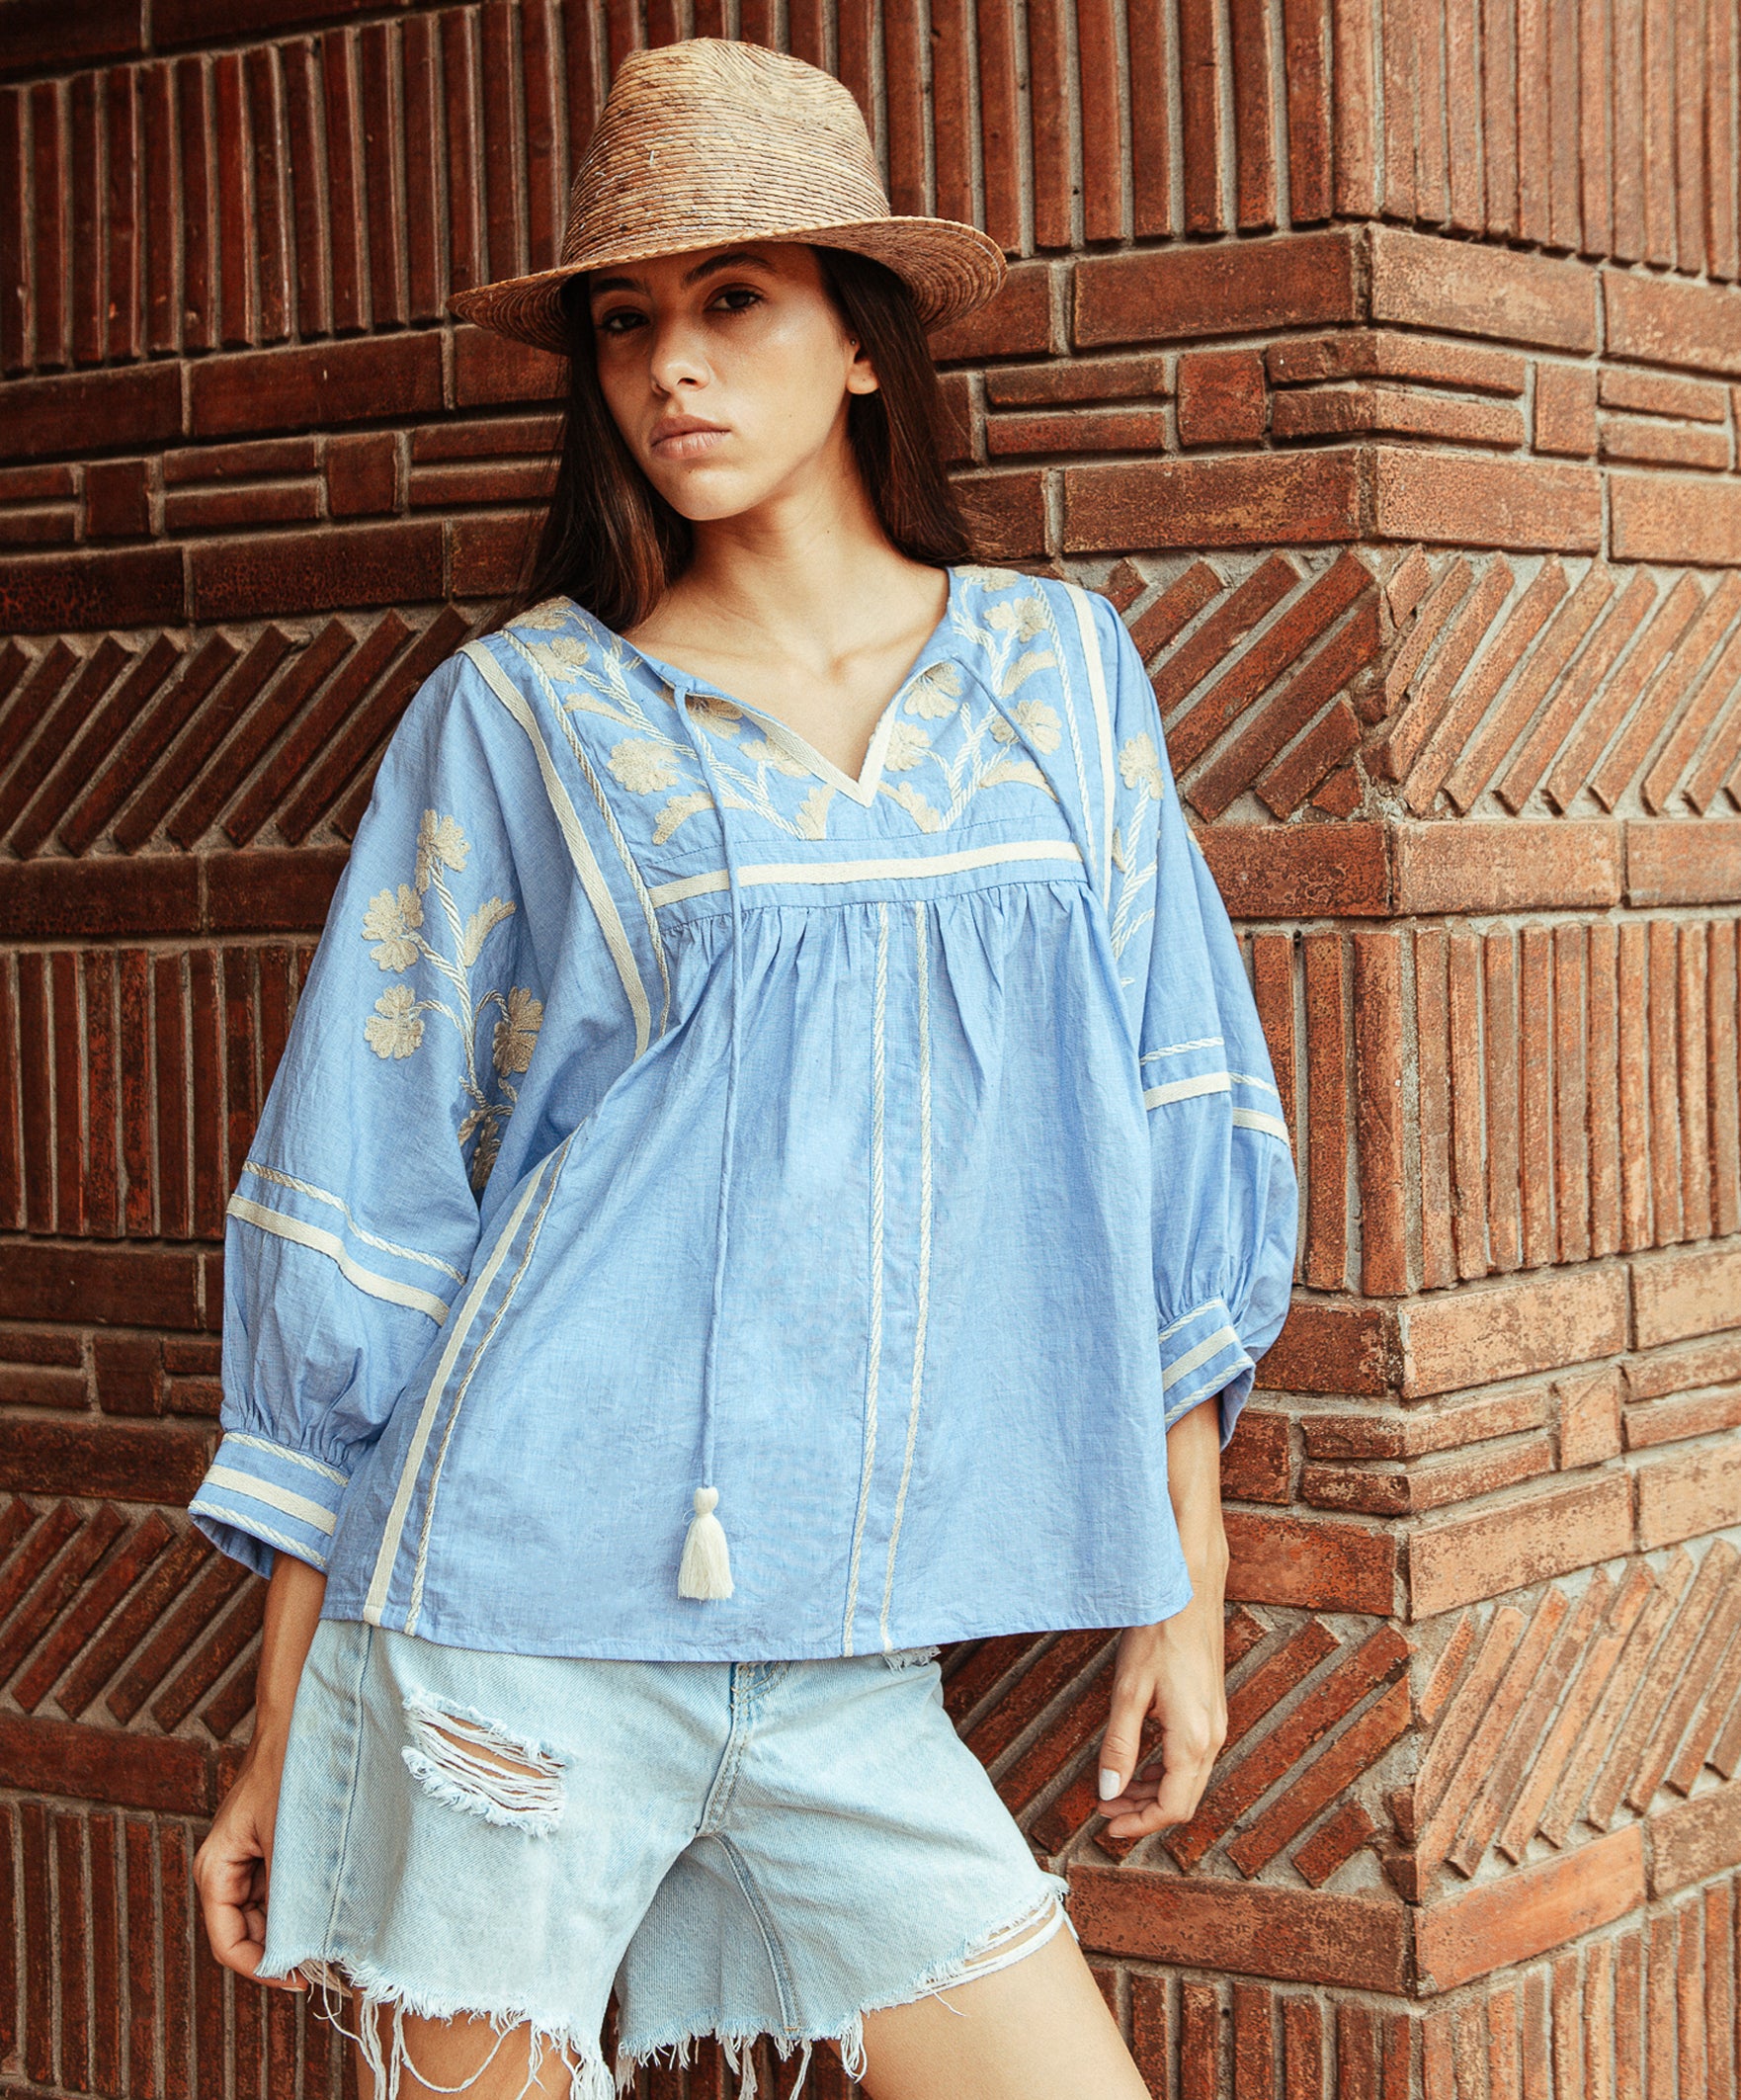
(623,320)
(738,298)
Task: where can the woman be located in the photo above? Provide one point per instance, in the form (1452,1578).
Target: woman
(775,1168)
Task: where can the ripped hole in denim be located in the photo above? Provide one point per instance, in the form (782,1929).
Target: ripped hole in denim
(475,1765)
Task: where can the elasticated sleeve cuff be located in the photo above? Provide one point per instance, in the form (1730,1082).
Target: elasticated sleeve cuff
(258,1496)
(1201,1353)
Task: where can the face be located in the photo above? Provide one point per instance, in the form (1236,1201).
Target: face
(729,371)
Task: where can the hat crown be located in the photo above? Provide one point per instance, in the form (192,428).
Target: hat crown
(710,141)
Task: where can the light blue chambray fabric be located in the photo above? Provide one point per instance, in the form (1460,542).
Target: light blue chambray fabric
(1008,1186)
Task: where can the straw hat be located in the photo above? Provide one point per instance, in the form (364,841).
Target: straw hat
(710,141)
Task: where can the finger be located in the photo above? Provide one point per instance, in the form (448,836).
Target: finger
(1183,1781)
(1121,1748)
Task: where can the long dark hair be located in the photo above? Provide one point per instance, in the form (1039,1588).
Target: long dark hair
(613,543)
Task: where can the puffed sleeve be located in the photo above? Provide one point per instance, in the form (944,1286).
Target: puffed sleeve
(1226,1203)
(359,1205)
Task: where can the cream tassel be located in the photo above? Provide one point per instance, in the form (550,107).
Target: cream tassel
(706,1568)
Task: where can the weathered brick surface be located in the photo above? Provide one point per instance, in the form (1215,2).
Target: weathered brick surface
(1426,525)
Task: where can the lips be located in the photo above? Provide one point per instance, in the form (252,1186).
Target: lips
(685,433)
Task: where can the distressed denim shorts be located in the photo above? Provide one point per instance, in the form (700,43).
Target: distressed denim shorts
(741,1849)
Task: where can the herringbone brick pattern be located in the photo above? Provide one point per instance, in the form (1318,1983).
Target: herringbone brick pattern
(1578,1709)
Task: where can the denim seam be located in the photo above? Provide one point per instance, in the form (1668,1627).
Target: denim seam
(759,1911)
(356,1731)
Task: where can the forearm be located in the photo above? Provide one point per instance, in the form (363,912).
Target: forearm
(1193,1482)
(293,1609)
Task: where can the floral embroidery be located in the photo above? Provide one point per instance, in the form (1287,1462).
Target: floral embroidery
(642,767)
(1037,720)
(1012,640)
(394,923)
(396,1027)
(1140,765)
(907,745)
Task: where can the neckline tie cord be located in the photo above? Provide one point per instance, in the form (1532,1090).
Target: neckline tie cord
(705,1570)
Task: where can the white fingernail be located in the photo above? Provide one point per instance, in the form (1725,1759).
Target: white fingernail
(1110,1785)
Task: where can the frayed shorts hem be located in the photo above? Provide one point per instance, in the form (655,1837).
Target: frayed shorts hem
(1010,1941)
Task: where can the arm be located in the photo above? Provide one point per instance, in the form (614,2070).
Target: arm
(1224,1225)
(1175,1669)
(233,1866)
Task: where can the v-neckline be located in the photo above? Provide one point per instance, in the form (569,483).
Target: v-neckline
(864,788)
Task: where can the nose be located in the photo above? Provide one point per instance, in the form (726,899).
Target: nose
(675,355)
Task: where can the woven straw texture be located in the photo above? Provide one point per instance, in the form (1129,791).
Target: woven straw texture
(709,141)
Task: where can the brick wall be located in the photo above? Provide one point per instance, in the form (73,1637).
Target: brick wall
(1384,365)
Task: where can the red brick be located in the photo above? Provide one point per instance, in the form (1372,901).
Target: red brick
(1318,871)
(1686,1496)
(1678,1296)
(1178,293)
(270,892)
(130,1285)
(1531,1910)
(1386,409)
(1671,1421)
(1684,864)
(1396,1492)
(129,587)
(1464,288)
(1543,1532)
(315,387)
(1420,1431)
(487,555)
(142,1464)
(1005,512)
(1017,323)
(1324,1256)
(1266,500)
(1327,1348)
(128,1373)
(1255,1466)
(1589,1419)
(1565,410)
(1077,431)
(1061,383)
(1285,1933)
(1666,444)
(1418,494)
(53,899)
(1655,393)
(58,1757)
(1660,321)
(253,459)
(1328,1566)
(1336,1840)
(89,411)
(1694,1840)
(217,510)
(533,481)
(1222,398)
(1509,1329)
(316,572)
(118,500)
(1373,353)
(1671,518)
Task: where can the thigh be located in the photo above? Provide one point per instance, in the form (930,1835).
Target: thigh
(464,2054)
(1037,2029)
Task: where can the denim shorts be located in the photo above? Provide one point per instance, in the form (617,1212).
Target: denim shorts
(740,1849)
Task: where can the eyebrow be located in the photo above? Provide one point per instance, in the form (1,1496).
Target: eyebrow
(734,259)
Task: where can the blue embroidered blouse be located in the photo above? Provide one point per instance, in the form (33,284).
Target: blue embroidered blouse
(664,1107)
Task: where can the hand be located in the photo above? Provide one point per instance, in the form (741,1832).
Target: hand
(233,1866)
(1173,1670)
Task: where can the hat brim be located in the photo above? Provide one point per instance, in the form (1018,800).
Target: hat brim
(948,267)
